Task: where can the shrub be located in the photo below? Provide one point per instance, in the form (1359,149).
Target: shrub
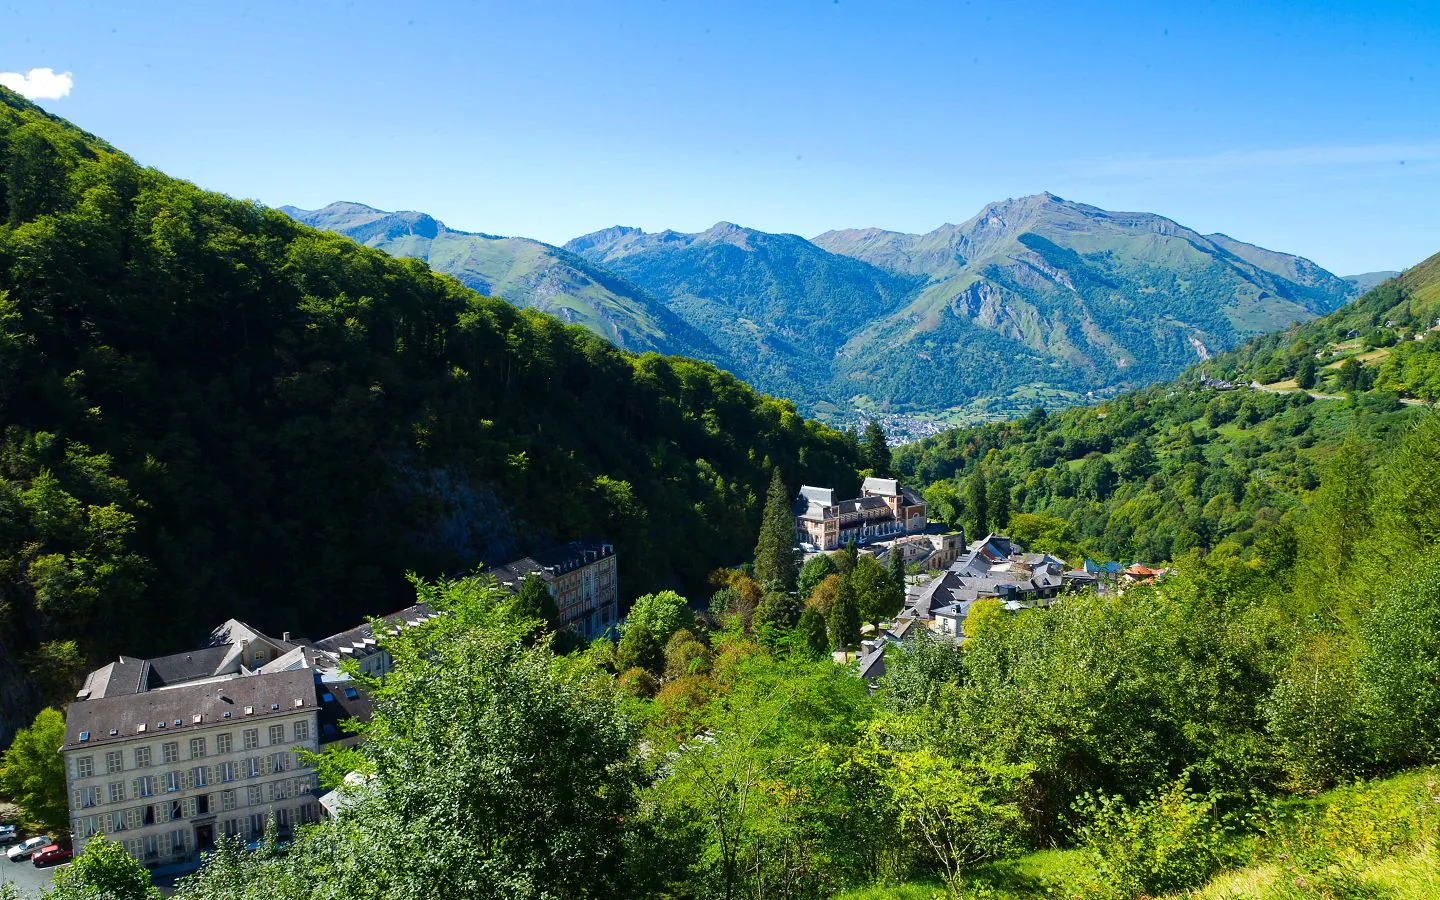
(1171,842)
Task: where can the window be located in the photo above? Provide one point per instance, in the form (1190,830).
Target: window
(257,824)
(117,791)
(117,821)
(202,805)
(147,815)
(177,841)
(113,762)
(229,771)
(89,826)
(252,767)
(252,738)
(282,818)
(200,773)
(172,782)
(84,767)
(145,786)
(224,743)
(88,797)
(277,734)
(280,790)
(197,748)
(279,762)
(302,730)
(252,795)
(227,800)
(172,752)
(142,757)
(152,847)
(177,810)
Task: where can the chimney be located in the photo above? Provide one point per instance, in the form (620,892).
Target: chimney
(285,636)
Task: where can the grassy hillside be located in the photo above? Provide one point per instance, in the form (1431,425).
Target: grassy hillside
(1369,840)
(524,272)
(1181,465)
(211,410)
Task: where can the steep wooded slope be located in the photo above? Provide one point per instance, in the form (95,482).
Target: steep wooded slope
(211,410)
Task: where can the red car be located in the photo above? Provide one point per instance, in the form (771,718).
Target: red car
(52,855)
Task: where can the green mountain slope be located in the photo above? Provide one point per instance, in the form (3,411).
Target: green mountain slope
(1206,459)
(212,410)
(523,271)
(1367,280)
(1036,299)
(777,305)
(1067,296)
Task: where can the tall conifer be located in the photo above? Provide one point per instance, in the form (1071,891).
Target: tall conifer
(776,564)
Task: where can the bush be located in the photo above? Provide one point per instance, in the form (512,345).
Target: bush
(1171,842)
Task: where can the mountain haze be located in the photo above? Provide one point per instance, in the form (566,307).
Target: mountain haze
(522,271)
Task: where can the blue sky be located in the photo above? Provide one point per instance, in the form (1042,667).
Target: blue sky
(1305,127)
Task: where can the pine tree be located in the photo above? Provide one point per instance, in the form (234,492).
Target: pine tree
(775,558)
(978,515)
(897,575)
(875,452)
(810,631)
(844,621)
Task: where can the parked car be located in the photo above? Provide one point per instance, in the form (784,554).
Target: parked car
(25,848)
(8,835)
(52,855)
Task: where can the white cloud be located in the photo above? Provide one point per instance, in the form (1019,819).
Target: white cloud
(38,84)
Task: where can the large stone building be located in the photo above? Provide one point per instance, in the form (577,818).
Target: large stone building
(166,755)
(884,509)
(581,578)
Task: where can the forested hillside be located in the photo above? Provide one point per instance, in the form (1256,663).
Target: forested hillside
(525,272)
(211,410)
(1207,459)
(1129,745)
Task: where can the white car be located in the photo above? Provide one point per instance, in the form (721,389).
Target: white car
(7,834)
(25,848)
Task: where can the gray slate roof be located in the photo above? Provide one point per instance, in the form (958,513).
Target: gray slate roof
(210,700)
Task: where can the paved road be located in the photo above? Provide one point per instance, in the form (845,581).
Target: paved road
(29,879)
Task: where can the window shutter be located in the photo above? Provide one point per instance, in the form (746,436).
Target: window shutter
(187,780)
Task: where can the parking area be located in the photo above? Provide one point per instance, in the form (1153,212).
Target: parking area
(30,880)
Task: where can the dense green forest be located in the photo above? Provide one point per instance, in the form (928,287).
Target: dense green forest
(1171,738)
(210,410)
(1205,460)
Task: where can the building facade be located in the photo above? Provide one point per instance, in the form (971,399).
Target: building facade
(884,510)
(167,755)
(166,769)
(581,576)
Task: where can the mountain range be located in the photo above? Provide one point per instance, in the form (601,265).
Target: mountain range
(1033,300)
(525,272)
